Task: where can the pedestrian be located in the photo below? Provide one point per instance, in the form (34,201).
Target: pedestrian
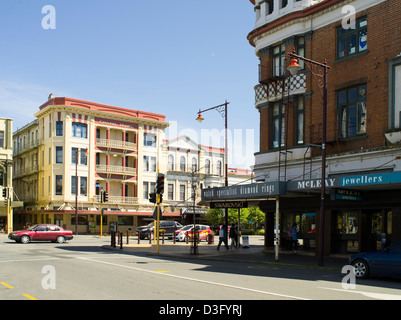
(293,238)
(233,236)
(222,236)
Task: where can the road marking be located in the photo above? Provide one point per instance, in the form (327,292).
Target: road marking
(26,260)
(29,297)
(7,285)
(198,280)
(161,271)
(380,296)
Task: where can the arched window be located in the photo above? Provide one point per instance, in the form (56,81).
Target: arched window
(170,162)
(182,163)
(207,166)
(219,171)
(194,164)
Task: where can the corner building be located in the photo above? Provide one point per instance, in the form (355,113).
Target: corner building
(363,166)
(108,148)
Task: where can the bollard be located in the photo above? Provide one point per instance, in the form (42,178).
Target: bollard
(163,237)
(174,237)
(139,237)
(150,237)
(127,237)
(121,240)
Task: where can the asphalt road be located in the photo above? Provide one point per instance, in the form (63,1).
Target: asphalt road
(81,270)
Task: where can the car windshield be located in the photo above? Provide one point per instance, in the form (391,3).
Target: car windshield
(186,228)
(150,224)
(33,227)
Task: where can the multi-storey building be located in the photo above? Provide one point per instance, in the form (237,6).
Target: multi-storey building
(6,157)
(97,147)
(190,167)
(361,41)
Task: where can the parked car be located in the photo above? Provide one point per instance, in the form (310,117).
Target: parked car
(201,229)
(381,263)
(168,226)
(42,232)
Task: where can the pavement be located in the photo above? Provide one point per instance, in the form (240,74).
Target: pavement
(255,253)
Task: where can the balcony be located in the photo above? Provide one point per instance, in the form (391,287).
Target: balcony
(280,88)
(119,200)
(104,168)
(116,144)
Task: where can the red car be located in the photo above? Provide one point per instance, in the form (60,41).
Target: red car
(41,232)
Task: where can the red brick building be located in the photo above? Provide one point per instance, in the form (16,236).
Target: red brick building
(361,41)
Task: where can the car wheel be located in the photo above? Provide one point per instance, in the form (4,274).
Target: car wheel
(60,239)
(361,269)
(25,239)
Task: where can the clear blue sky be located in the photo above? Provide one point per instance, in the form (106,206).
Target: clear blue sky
(170,57)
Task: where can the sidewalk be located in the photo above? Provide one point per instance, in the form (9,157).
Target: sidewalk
(254,254)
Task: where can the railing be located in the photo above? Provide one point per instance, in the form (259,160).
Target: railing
(116,169)
(274,90)
(116,144)
(120,199)
(26,171)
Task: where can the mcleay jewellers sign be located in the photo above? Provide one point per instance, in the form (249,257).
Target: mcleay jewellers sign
(275,188)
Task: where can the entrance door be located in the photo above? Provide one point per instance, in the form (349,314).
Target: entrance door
(376,224)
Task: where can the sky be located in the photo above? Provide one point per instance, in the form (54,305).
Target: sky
(169,57)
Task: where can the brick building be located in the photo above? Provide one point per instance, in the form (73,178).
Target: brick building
(361,41)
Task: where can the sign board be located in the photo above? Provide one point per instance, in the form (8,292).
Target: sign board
(229,204)
(345,194)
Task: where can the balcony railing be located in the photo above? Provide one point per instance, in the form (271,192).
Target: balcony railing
(120,200)
(104,168)
(26,171)
(274,90)
(116,144)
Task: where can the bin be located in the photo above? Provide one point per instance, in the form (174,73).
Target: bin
(245,241)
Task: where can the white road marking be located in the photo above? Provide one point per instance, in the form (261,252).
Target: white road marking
(196,280)
(374,295)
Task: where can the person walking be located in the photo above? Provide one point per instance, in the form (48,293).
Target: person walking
(293,238)
(222,236)
(233,236)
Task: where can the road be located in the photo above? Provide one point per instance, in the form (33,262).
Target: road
(81,270)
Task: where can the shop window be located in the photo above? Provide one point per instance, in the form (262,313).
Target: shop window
(125,220)
(389,222)
(308,223)
(347,222)
(82,220)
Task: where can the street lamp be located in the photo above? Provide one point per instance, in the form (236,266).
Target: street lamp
(222,109)
(321,80)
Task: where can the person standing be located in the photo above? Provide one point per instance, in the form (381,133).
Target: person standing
(293,238)
(233,236)
(222,236)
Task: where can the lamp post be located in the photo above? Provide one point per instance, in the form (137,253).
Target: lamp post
(321,80)
(222,109)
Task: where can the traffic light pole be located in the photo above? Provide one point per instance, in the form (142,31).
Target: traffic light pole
(9,218)
(158,221)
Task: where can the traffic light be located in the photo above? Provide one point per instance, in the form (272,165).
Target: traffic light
(105,196)
(5,193)
(152,197)
(160,183)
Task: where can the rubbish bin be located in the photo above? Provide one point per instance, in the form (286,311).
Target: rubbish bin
(210,238)
(245,241)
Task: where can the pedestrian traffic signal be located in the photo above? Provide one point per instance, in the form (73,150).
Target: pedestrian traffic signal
(152,197)
(160,183)
(105,196)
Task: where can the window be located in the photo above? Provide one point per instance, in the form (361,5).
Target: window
(149,140)
(219,168)
(351,106)
(300,41)
(79,130)
(148,187)
(278,125)
(194,164)
(1,139)
(351,41)
(73,185)
(284,3)
(182,192)
(59,185)
(82,156)
(182,164)
(149,163)
(170,162)
(278,60)
(270,6)
(59,154)
(207,166)
(170,192)
(125,220)
(300,120)
(59,128)
(347,222)
(84,186)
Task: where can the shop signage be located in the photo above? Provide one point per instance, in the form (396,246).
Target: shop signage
(345,194)
(246,191)
(229,204)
